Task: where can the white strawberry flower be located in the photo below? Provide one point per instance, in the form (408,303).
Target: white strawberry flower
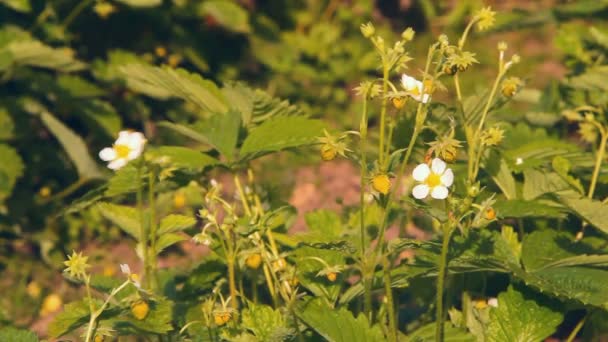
(435,180)
(127,147)
(414,88)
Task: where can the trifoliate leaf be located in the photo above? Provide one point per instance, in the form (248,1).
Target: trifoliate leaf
(521,317)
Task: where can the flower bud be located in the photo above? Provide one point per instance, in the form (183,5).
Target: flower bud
(473,191)
(140,309)
(44,192)
(449,69)
(381,183)
(51,303)
(332,276)
(328,152)
(408,34)
(368,30)
(179,200)
(221,317)
(490,214)
(254,261)
(510,86)
(399,102)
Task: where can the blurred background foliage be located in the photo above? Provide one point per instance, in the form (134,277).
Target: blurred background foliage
(63,96)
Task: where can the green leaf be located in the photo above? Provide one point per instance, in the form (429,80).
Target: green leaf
(73,316)
(538,183)
(501,174)
(74,146)
(167,240)
(594,212)
(265,323)
(558,265)
(519,317)
(158,320)
(127,218)
(338,325)
(426,333)
(6,125)
(544,246)
(592,79)
(141,3)
(182,157)
(563,166)
(34,53)
(104,115)
(522,208)
(22,6)
(175,223)
(281,133)
(11,168)
(166,82)
(78,87)
(323,226)
(124,181)
(17,335)
(221,131)
(228,14)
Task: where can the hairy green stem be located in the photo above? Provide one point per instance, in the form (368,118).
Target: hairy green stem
(367,297)
(472,168)
(577,328)
(96,314)
(142,222)
(390,302)
(232,281)
(153,227)
(598,162)
(75,12)
(447,233)
(383,115)
(457,86)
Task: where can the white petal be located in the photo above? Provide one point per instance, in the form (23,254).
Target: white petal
(438,166)
(421,172)
(125,269)
(136,140)
(107,154)
(447,178)
(493,302)
(439,192)
(117,164)
(134,154)
(420,191)
(410,83)
(123,138)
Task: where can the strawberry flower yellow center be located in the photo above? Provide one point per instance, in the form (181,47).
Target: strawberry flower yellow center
(435,180)
(127,147)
